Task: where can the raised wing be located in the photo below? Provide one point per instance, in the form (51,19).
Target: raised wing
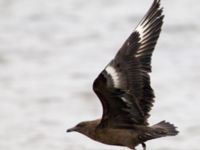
(124,85)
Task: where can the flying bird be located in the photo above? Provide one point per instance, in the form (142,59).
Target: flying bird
(124,90)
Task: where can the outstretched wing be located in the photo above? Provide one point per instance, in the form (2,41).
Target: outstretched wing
(124,85)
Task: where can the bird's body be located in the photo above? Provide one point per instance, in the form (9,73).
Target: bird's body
(118,137)
(124,90)
(126,136)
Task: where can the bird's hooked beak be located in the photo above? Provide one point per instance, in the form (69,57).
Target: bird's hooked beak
(72,129)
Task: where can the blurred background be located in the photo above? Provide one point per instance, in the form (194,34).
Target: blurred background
(52,50)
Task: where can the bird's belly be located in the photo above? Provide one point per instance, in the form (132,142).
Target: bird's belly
(120,137)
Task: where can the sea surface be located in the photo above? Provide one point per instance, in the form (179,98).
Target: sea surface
(52,50)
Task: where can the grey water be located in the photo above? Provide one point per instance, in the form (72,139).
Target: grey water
(51,51)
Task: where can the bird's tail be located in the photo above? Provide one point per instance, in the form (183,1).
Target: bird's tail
(163,129)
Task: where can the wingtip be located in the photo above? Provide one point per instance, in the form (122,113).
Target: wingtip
(157,1)
(157,4)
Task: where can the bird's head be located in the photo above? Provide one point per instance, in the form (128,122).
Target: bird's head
(82,127)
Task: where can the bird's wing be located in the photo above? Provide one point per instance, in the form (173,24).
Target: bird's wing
(124,85)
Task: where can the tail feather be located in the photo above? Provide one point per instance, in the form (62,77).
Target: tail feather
(165,129)
(161,129)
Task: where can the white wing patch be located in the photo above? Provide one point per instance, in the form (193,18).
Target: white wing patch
(141,28)
(125,100)
(114,75)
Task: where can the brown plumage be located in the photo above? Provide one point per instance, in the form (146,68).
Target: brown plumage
(124,90)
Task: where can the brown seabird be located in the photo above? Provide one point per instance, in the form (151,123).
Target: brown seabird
(124,90)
